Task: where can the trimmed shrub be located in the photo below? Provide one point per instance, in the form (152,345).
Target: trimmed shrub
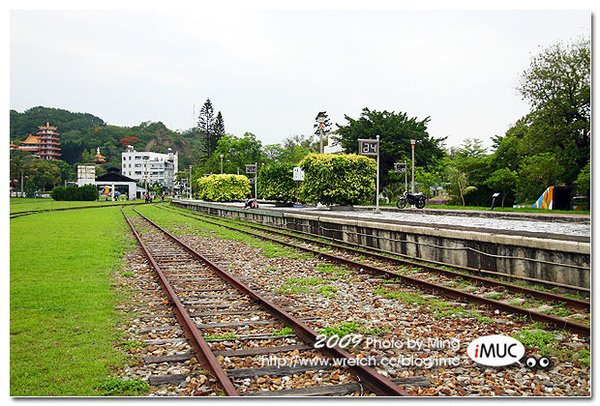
(223,188)
(338,179)
(275,182)
(74,193)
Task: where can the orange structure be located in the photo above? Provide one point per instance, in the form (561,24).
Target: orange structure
(44,145)
(100,159)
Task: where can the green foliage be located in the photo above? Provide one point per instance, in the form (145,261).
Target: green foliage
(81,132)
(210,128)
(504,181)
(74,193)
(338,179)
(342,329)
(426,179)
(296,147)
(583,180)
(226,336)
(543,340)
(123,387)
(223,188)
(536,174)
(395,131)
(458,184)
(275,182)
(236,151)
(283,332)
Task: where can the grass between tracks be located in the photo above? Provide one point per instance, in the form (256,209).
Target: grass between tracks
(22,204)
(62,305)
(178,224)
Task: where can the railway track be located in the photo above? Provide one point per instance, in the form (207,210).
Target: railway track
(401,259)
(439,280)
(209,302)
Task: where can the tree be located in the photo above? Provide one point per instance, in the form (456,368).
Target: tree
(557,85)
(503,180)
(427,180)
(537,173)
(459,183)
(296,147)
(583,181)
(41,174)
(206,125)
(396,130)
(218,128)
(471,160)
(236,151)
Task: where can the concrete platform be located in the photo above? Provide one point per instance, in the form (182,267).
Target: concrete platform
(555,252)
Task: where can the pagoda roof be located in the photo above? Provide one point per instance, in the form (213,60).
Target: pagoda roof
(47,127)
(31,139)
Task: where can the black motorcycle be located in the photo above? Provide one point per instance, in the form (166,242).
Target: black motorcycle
(416,199)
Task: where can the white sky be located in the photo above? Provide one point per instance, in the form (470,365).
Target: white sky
(270,72)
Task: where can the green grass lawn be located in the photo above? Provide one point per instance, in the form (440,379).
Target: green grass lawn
(62,306)
(21,204)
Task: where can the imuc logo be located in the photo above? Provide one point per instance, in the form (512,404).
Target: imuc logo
(496,350)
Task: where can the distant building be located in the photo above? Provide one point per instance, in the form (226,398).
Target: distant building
(113,183)
(150,167)
(44,145)
(86,175)
(330,148)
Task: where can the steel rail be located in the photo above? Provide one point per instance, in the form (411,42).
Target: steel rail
(577,303)
(408,260)
(370,378)
(201,348)
(557,322)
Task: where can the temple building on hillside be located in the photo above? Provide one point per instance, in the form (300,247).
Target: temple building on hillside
(44,145)
(99,159)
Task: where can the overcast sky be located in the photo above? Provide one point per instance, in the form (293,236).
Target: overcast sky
(270,72)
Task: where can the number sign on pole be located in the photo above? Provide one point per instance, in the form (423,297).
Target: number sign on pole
(371,147)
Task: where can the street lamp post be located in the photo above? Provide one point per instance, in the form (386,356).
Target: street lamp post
(190,184)
(412,147)
(377,186)
(222,156)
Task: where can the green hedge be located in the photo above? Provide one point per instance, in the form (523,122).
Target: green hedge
(223,188)
(338,179)
(74,193)
(275,182)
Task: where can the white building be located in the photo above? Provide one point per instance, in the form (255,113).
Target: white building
(333,145)
(150,167)
(86,175)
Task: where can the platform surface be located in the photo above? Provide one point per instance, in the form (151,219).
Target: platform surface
(574,230)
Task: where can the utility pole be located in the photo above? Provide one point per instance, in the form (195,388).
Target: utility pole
(323,126)
(377,187)
(412,147)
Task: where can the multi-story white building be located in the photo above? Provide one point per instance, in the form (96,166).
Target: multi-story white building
(150,167)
